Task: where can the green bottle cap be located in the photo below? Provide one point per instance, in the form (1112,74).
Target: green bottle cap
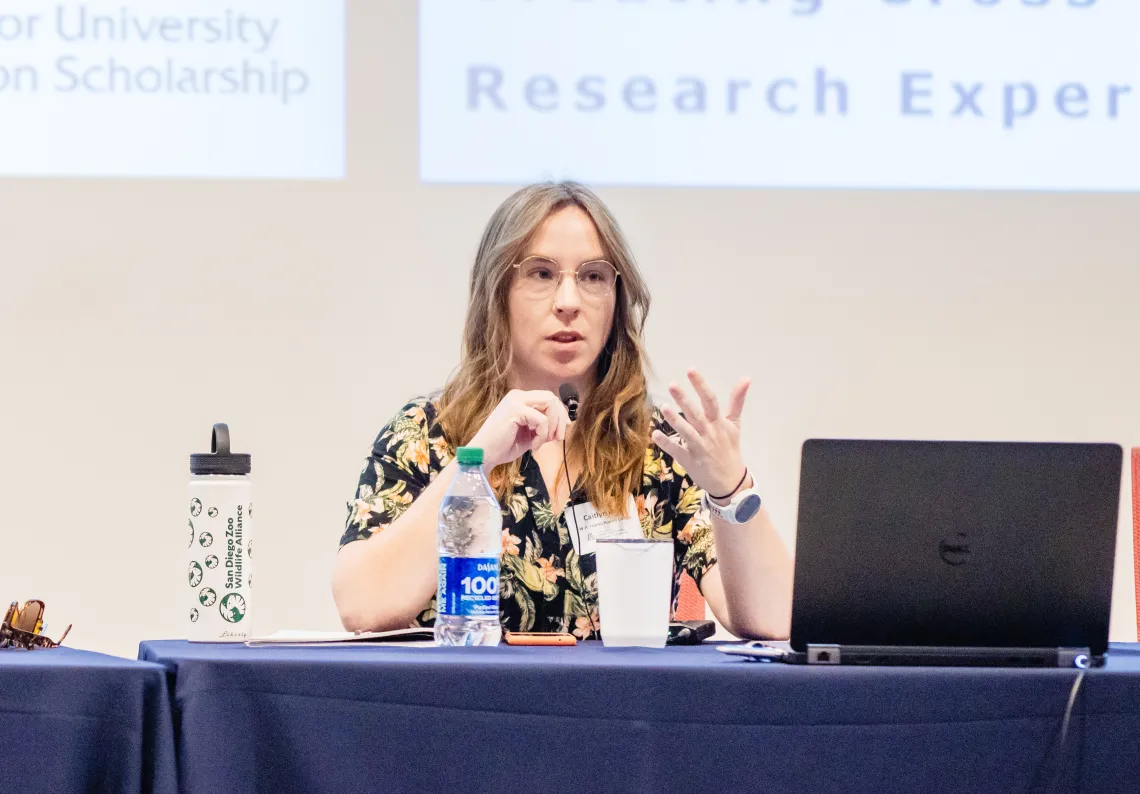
(470,456)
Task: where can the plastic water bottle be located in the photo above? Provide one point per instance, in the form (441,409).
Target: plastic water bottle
(469,540)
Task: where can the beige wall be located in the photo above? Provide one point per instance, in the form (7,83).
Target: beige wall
(135,314)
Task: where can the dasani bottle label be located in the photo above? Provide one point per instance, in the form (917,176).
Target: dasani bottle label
(469,586)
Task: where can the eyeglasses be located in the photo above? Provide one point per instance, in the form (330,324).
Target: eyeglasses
(540,277)
(21,627)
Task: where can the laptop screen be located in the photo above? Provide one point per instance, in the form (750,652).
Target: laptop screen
(966,544)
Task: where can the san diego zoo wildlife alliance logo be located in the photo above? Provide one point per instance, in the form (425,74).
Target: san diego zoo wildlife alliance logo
(196,509)
(232,608)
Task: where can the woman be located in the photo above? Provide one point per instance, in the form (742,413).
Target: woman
(557,298)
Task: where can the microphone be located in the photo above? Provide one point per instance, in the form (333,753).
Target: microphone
(569,396)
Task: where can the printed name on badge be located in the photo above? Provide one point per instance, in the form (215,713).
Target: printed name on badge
(592,524)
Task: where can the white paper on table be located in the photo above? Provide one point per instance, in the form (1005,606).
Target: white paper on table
(411,637)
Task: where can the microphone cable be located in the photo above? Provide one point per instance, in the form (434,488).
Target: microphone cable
(578,535)
(569,396)
(1055,753)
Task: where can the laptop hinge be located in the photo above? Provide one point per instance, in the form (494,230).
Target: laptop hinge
(830,653)
(823,654)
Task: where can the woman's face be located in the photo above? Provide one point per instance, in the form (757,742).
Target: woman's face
(560,321)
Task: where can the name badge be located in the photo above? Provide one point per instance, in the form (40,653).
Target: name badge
(592,524)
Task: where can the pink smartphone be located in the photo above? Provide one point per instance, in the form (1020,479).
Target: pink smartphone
(539,638)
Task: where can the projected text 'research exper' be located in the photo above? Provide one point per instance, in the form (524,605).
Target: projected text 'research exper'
(773,93)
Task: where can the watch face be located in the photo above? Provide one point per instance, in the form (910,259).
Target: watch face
(748,507)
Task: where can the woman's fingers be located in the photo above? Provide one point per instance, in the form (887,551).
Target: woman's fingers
(684,429)
(736,401)
(548,404)
(671,447)
(558,426)
(707,397)
(693,413)
(538,423)
(559,419)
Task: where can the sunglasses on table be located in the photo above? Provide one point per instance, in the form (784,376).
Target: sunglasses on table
(21,627)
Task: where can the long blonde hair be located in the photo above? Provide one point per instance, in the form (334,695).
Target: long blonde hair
(613,425)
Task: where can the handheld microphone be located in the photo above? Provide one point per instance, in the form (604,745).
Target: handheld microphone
(569,396)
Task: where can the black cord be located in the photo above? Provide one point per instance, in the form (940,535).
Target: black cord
(734,490)
(578,535)
(1069,708)
(1056,753)
(1065,726)
(572,410)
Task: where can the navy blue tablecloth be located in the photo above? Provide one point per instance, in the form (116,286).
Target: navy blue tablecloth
(588,718)
(76,721)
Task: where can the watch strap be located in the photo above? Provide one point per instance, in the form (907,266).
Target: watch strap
(740,510)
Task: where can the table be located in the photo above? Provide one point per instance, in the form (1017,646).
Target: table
(588,718)
(73,720)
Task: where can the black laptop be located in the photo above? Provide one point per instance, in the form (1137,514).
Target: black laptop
(955,553)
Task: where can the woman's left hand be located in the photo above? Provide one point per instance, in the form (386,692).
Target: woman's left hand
(707,443)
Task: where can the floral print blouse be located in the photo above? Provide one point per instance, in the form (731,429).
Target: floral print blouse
(543,584)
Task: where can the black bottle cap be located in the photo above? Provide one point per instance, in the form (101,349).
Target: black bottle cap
(220,460)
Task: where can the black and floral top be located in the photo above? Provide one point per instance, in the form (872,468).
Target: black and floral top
(543,585)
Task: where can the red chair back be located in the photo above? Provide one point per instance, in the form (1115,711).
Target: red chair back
(690,602)
(1136,528)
